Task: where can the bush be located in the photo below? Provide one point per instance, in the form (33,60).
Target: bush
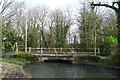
(105,63)
(114,61)
(28,57)
(4,56)
(110,40)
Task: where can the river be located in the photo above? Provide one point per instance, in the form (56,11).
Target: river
(68,70)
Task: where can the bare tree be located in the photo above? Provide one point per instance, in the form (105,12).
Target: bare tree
(88,25)
(43,20)
(4,5)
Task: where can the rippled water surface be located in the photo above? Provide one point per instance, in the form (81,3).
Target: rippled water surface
(67,70)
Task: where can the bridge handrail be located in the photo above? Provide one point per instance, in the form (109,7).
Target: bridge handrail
(61,50)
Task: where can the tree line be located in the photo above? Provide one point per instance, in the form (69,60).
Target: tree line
(42,27)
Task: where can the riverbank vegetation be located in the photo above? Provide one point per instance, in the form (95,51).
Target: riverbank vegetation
(112,62)
(10,70)
(28,57)
(18,61)
(13,68)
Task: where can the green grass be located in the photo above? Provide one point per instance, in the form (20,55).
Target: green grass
(17,61)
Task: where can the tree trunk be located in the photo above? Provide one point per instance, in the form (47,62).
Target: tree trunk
(118,27)
(26,36)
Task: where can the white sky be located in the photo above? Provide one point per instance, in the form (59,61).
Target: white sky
(59,3)
(62,4)
(53,3)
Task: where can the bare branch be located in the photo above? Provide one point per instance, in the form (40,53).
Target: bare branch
(4,5)
(106,5)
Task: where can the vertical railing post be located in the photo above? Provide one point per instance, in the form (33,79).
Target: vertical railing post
(29,49)
(49,49)
(95,51)
(98,50)
(37,48)
(55,51)
(41,51)
(61,49)
(70,49)
(73,49)
(17,50)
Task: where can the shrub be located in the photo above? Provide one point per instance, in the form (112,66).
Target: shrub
(3,56)
(105,62)
(28,57)
(114,61)
(110,40)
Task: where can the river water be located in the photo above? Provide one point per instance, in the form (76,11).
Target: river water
(67,70)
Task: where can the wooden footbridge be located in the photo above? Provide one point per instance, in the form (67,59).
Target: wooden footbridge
(90,51)
(68,54)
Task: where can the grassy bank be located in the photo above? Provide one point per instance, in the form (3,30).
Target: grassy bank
(17,61)
(13,68)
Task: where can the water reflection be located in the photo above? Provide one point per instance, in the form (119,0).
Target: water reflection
(67,70)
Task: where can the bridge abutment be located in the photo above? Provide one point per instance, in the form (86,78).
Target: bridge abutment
(74,59)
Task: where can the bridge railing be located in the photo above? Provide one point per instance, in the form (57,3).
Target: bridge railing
(86,51)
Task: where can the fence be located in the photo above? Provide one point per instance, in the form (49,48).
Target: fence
(90,51)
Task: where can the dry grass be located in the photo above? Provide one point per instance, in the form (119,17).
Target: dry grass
(8,70)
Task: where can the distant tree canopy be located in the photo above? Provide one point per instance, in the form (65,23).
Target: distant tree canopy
(53,28)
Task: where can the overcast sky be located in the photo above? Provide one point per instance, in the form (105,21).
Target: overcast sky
(58,3)
(52,3)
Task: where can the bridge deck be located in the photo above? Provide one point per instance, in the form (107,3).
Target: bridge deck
(48,54)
